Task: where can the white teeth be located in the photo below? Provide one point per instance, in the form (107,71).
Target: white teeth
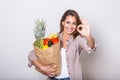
(69,30)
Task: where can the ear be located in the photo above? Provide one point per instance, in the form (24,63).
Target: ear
(63,22)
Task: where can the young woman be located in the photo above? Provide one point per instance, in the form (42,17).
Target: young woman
(74,36)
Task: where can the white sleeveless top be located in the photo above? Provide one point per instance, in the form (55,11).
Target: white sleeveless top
(64,70)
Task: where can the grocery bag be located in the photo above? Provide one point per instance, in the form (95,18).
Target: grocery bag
(49,56)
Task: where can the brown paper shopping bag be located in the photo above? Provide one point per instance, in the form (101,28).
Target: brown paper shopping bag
(49,56)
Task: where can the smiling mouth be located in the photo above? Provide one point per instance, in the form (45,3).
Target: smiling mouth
(69,30)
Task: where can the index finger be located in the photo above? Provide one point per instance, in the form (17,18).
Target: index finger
(83,21)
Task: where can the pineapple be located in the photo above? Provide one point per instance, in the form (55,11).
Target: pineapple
(39,31)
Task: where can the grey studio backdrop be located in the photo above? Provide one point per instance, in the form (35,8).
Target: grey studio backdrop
(16,35)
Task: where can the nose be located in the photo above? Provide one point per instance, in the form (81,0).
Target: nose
(71,25)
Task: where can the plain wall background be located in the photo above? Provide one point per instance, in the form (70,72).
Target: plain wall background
(16,35)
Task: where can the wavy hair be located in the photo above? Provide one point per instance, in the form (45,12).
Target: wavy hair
(70,12)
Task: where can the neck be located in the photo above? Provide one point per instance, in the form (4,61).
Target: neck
(65,37)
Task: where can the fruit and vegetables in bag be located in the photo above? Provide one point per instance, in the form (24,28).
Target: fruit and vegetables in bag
(47,49)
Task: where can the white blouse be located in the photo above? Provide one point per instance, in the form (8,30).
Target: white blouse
(64,70)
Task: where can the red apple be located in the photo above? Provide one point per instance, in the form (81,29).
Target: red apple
(55,40)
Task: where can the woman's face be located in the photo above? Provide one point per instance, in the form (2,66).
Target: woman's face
(69,24)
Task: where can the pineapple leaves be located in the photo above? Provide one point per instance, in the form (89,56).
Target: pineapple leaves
(39,30)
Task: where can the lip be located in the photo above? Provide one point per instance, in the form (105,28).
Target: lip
(69,30)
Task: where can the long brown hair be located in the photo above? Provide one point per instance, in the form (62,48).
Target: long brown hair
(71,13)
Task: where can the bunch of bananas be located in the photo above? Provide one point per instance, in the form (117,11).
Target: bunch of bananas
(54,35)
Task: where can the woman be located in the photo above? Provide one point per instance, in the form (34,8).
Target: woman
(74,36)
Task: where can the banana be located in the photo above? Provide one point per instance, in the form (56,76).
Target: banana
(53,35)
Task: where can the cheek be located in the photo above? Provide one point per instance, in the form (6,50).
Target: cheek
(74,27)
(66,25)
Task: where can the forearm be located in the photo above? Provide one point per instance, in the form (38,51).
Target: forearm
(37,64)
(90,41)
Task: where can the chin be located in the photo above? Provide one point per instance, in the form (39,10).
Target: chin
(69,33)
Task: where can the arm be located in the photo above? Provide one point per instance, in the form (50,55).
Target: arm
(90,42)
(47,70)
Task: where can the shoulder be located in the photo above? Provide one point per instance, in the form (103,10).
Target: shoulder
(80,39)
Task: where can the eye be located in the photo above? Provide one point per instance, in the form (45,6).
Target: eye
(74,23)
(68,22)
